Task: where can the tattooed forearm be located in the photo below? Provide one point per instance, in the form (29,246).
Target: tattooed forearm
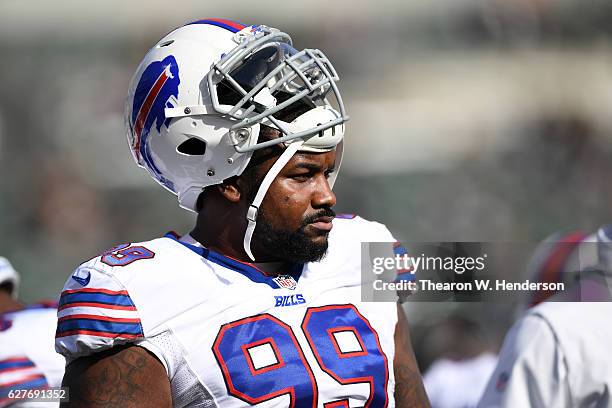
(118,378)
(409,391)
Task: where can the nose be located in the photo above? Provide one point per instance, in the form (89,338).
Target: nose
(323,195)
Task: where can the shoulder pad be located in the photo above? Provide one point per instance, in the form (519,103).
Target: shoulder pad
(95,313)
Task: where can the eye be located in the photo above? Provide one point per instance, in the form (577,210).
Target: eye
(329,173)
(302,177)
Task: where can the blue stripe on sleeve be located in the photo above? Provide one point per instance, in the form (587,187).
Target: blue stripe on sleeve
(119,300)
(99,325)
(400,250)
(4,365)
(34,383)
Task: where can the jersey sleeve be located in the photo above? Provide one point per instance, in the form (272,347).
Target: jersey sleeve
(531,371)
(95,313)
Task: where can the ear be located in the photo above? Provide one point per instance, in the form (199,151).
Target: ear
(231,189)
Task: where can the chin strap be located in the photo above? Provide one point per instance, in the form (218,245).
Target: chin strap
(263,189)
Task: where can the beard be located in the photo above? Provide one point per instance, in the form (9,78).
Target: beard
(292,246)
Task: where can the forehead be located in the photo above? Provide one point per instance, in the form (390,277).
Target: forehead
(322,159)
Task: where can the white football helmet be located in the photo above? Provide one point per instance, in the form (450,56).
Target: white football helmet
(198,98)
(9,275)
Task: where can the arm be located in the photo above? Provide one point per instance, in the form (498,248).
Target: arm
(127,376)
(409,389)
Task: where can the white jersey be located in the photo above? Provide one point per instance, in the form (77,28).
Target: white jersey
(27,357)
(228,334)
(558,355)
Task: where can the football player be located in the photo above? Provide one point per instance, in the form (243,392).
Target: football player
(27,358)
(259,305)
(556,355)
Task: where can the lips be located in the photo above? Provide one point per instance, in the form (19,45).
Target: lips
(323,223)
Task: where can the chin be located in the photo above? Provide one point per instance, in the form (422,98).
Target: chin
(301,246)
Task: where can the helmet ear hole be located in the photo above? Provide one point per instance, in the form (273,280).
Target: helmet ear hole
(165,43)
(192,147)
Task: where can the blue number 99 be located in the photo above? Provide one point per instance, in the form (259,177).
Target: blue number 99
(261,359)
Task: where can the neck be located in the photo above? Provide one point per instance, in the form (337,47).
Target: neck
(7,303)
(220,232)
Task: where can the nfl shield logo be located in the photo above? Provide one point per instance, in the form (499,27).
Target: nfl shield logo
(285,281)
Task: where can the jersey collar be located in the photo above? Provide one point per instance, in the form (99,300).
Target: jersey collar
(244,268)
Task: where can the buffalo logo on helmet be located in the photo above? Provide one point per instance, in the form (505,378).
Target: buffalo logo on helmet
(157,85)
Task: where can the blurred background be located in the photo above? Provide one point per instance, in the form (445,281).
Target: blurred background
(472,120)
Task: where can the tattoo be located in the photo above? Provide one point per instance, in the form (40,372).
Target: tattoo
(113,382)
(409,391)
